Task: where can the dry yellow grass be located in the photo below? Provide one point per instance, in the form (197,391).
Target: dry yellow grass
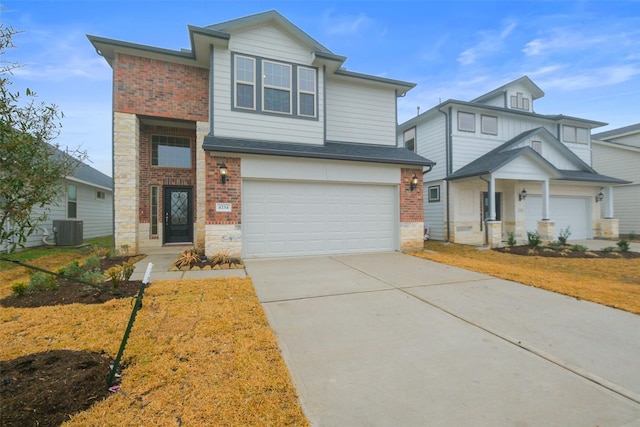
(612,282)
(200,353)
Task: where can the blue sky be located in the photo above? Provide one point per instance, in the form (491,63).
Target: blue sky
(585,55)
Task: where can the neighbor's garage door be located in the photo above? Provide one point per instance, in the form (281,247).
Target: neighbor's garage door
(574,212)
(303,218)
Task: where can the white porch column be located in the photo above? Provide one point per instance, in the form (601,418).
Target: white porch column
(546,214)
(608,213)
(492,199)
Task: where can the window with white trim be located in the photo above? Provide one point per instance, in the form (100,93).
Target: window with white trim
(409,139)
(276,87)
(537,146)
(466,122)
(245,78)
(72,201)
(519,102)
(306,92)
(575,134)
(101,195)
(489,124)
(433,193)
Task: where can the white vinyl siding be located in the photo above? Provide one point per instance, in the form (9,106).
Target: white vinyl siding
(357,112)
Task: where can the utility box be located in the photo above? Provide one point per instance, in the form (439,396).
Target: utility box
(68,232)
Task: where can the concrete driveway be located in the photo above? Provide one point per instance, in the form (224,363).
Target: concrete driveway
(393,340)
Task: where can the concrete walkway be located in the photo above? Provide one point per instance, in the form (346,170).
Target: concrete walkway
(393,340)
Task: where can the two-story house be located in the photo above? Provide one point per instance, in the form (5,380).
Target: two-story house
(257,141)
(503,168)
(617,151)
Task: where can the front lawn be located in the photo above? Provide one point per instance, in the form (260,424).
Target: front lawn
(612,282)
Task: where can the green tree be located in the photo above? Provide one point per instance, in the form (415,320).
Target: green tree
(32,167)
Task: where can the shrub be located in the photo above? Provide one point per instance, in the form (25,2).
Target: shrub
(623,245)
(555,245)
(93,277)
(579,248)
(188,257)
(92,263)
(101,252)
(564,234)
(114,275)
(20,288)
(127,270)
(632,236)
(533,239)
(72,269)
(609,249)
(42,282)
(221,257)
(511,238)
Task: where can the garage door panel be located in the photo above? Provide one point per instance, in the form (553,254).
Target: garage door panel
(573,212)
(298,218)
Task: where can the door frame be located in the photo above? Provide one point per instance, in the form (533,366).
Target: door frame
(166,208)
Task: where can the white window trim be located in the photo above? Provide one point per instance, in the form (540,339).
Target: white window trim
(237,81)
(266,86)
(306,92)
(462,113)
(574,134)
(74,201)
(436,198)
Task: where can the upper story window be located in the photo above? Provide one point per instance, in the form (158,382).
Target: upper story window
(489,124)
(245,71)
(283,88)
(466,121)
(537,146)
(170,151)
(276,95)
(575,134)
(72,201)
(518,101)
(409,139)
(100,195)
(306,92)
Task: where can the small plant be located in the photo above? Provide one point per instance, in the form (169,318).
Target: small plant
(188,257)
(92,263)
(555,245)
(20,288)
(609,249)
(72,269)
(127,270)
(632,236)
(579,248)
(623,245)
(564,234)
(42,282)
(101,252)
(93,277)
(511,239)
(533,239)
(221,257)
(114,275)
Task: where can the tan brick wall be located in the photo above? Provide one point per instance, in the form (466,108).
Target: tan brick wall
(126,181)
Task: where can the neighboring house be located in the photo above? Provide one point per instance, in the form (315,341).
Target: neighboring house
(503,168)
(88,197)
(257,142)
(618,152)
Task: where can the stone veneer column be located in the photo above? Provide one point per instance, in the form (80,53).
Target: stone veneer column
(547,230)
(202,130)
(125,181)
(608,228)
(494,233)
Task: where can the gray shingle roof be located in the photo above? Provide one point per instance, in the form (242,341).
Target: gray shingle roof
(616,132)
(86,173)
(329,151)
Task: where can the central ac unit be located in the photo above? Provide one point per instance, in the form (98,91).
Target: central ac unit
(68,232)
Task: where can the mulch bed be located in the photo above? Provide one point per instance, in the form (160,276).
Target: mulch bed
(565,252)
(45,389)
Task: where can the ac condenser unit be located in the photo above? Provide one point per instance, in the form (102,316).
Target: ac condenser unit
(68,232)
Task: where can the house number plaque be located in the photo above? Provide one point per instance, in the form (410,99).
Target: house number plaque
(223,207)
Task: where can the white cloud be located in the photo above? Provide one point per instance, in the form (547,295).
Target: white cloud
(489,42)
(346,25)
(594,78)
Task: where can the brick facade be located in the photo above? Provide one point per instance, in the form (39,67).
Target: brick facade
(230,192)
(411,202)
(157,88)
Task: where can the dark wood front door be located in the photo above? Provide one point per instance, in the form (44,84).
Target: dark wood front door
(178,215)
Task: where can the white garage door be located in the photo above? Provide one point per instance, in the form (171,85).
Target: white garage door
(574,212)
(303,218)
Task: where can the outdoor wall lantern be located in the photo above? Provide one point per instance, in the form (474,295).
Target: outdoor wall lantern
(522,195)
(414,182)
(599,196)
(223,173)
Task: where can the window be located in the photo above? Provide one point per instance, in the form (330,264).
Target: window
(537,146)
(433,193)
(276,88)
(518,101)
(245,71)
(100,195)
(489,124)
(466,122)
(575,134)
(306,92)
(154,211)
(72,201)
(170,151)
(409,139)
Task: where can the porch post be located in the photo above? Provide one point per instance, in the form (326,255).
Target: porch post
(545,200)
(492,199)
(609,209)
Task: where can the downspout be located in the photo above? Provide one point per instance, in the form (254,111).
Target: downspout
(447,136)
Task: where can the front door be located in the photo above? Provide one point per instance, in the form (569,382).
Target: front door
(178,215)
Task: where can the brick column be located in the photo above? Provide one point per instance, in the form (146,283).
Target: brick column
(126,177)
(411,210)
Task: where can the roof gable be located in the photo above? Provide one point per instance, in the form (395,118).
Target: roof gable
(523,82)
